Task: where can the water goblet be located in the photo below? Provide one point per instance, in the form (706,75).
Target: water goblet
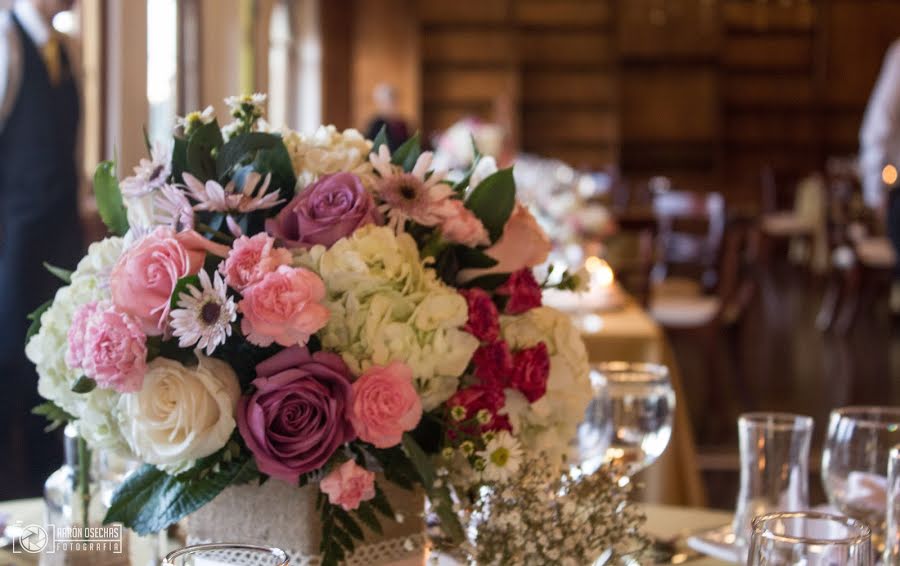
(809,539)
(892,533)
(226,554)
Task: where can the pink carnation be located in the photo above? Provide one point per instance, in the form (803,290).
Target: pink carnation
(284,307)
(461,226)
(531,369)
(484,320)
(250,259)
(143,279)
(384,404)
(493,364)
(348,485)
(523,291)
(111,348)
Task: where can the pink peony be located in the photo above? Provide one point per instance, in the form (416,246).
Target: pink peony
(384,404)
(531,369)
(112,349)
(484,320)
(493,364)
(348,485)
(523,244)
(250,259)
(284,307)
(523,291)
(461,226)
(143,279)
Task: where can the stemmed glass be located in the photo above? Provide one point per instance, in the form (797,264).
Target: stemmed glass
(810,539)
(855,463)
(629,420)
(892,537)
(227,554)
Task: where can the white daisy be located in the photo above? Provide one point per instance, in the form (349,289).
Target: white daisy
(414,196)
(248,102)
(502,457)
(195,119)
(172,208)
(150,174)
(204,315)
(214,197)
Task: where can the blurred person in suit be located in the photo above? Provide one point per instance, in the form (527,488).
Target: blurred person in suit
(387,116)
(39,221)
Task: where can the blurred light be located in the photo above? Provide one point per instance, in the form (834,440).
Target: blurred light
(889,174)
(65,22)
(601,273)
(587,186)
(565,174)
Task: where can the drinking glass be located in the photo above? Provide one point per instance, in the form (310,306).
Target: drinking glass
(629,420)
(855,463)
(892,536)
(227,554)
(774,449)
(809,539)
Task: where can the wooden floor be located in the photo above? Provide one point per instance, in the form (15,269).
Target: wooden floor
(785,364)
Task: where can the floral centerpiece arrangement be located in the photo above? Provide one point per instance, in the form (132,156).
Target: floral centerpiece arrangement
(309,309)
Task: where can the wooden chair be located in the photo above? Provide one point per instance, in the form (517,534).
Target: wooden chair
(780,225)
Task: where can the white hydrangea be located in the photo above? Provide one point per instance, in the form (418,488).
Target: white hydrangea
(328,151)
(47,349)
(386,305)
(549,424)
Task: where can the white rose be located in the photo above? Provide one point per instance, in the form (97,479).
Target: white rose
(181,414)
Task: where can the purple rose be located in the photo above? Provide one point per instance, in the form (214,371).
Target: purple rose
(329,209)
(297,416)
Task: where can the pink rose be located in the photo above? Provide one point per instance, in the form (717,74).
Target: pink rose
(493,364)
(111,350)
(531,369)
(523,291)
(250,259)
(461,226)
(348,485)
(195,243)
(523,244)
(484,320)
(284,307)
(384,404)
(143,279)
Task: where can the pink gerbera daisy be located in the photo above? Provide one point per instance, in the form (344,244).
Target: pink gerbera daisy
(417,195)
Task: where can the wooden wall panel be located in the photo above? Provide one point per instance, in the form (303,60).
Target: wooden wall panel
(451,85)
(667,30)
(444,12)
(548,126)
(565,48)
(771,52)
(759,16)
(670,105)
(469,46)
(577,13)
(553,87)
(768,90)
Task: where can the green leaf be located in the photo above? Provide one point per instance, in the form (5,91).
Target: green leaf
(347,522)
(109,198)
(53,413)
(147,139)
(380,139)
(366,514)
(461,185)
(277,161)
(419,460)
(408,153)
(473,258)
(238,147)
(442,505)
(35,318)
(84,384)
(149,500)
(381,504)
(493,200)
(200,146)
(65,275)
(488,282)
(179,159)
(182,287)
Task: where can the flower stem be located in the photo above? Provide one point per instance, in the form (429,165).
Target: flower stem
(209,230)
(84,487)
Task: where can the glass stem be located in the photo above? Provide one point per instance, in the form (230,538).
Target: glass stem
(84,487)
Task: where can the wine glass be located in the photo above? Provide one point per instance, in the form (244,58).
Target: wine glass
(810,539)
(855,463)
(227,554)
(629,420)
(892,537)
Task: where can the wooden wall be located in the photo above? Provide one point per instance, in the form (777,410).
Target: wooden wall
(702,87)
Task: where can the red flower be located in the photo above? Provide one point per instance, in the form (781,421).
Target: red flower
(484,320)
(493,364)
(531,369)
(476,398)
(523,291)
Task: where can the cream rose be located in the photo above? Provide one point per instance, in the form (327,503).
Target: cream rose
(181,414)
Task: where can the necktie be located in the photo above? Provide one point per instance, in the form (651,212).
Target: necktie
(51,55)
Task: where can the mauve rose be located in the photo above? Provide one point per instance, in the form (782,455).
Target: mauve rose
(531,369)
(484,321)
(493,364)
(297,416)
(523,291)
(329,209)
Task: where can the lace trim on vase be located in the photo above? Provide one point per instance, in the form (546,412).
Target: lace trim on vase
(385,551)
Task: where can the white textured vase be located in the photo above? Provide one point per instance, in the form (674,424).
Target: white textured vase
(282,515)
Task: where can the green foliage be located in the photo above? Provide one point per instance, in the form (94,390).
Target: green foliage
(182,287)
(493,200)
(64,275)
(419,459)
(200,147)
(408,153)
(109,198)
(380,139)
(84,384)
(277,161)
(150,500)
(463,183)
(179,159)
(53,413)
(35,318)
(488,282)
(473,258)
(238,147)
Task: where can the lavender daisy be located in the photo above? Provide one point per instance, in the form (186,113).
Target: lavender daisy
(214,197)
(150,174)
(173,208)
(204,315)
